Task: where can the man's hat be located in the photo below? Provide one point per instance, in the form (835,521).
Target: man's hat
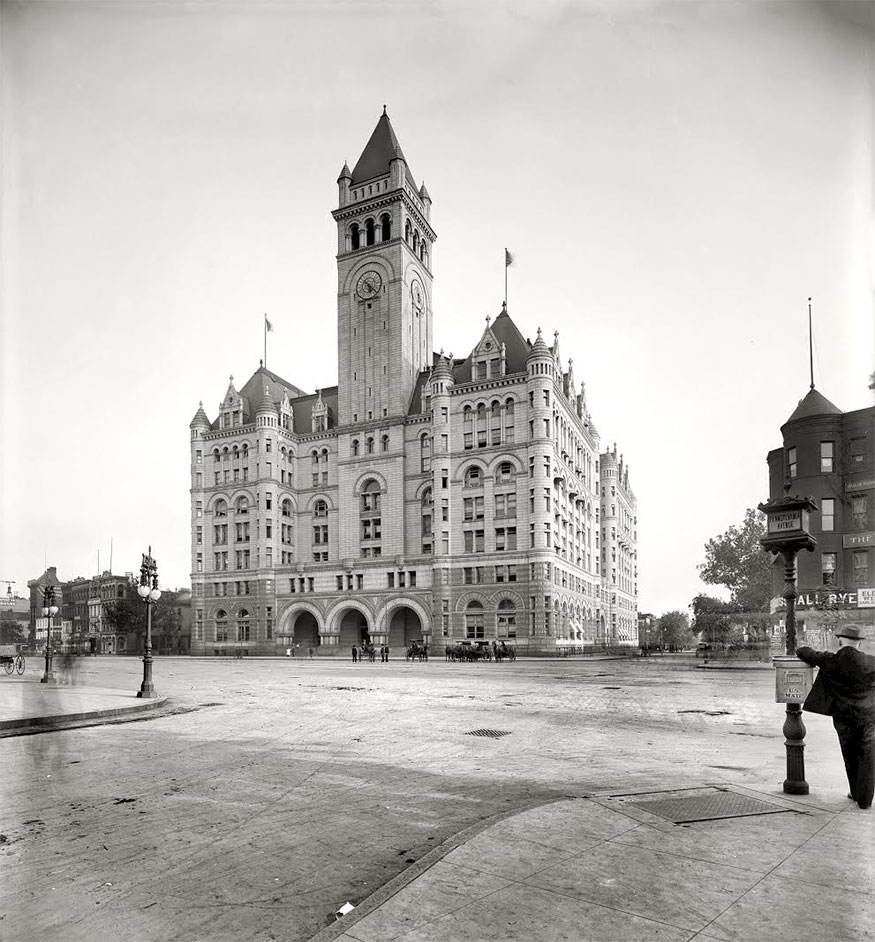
(850,631)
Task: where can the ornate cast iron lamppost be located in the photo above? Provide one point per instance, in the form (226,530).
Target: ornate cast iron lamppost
(49,610)
(150,593)
(787,533)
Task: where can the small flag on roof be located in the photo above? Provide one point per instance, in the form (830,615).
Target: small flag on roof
(508,258)
(267,323)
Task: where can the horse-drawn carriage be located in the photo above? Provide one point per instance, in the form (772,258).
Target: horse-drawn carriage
(417,651)
(480,651)
(10,660)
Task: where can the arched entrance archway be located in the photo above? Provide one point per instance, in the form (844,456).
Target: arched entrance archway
(306,630)
(353,628)
(405,626)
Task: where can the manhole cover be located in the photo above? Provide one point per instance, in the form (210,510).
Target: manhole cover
(491,733)
(707,806)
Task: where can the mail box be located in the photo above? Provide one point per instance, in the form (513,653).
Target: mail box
(793,679)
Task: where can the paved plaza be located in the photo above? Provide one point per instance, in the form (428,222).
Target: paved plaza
(444,801)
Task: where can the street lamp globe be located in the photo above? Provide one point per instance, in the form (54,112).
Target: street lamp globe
(150,593)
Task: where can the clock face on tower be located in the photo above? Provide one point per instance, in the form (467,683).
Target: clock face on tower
(417,294)
(368,286)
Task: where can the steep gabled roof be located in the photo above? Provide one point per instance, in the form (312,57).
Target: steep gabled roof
(303,409)
(813,404)
(253,393)
(380,150)
(516,346)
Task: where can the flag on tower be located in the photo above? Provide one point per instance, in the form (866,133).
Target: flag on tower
(267,324)
(508,258)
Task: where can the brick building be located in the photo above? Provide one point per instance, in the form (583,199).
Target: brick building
(829,455)
(425,496)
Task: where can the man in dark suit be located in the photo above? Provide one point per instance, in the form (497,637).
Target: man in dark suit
(847,679)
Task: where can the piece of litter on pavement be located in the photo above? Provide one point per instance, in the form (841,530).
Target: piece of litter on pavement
(346,908)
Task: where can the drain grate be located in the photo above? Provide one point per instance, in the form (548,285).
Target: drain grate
(708,805)
(491,733)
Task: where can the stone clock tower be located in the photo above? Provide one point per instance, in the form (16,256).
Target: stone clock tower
(384,282)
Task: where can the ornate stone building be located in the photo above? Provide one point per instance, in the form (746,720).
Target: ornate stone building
(425,496)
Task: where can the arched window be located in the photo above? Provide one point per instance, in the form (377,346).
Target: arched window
(505,472)
(424,252)
(384,443)
(216,456)
(369,445)
(371,520)
(220,509)
(385,227)
(354,236)
(415,241)
(286,508)
(242,505)
(427,513)
(506,619)
(245,451)
(468,427)
(481,425)
(369,232)
(408,229)
(243,625)
(495,423)
(355,446)
(235,454)
(474,623)
(371,497)
(424,453)
(221,625)
(474,476)
(509,420)
(225,453)
(320,508)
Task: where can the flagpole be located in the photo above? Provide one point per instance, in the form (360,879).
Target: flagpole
(265,341)
(506,266)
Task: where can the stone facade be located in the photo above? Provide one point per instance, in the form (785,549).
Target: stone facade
(425,496)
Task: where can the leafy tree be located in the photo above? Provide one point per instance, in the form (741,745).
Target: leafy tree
(711,617)
(128,616)
(722,622)
(12,630)
(673,631)
(737,561)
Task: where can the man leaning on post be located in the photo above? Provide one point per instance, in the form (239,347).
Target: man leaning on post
(845,690)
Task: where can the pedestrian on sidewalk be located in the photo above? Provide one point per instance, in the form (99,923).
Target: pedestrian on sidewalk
(355,654)
(845,690)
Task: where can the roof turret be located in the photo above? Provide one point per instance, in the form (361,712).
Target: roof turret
(814,403)
(540,350)
(442,370)
(200,418)
(344,172)
(267,404)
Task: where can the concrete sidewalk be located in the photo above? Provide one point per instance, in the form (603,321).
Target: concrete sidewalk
(603,868)
(26,705)
(651,865)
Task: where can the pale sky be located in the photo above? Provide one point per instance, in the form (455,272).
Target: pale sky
(674,180)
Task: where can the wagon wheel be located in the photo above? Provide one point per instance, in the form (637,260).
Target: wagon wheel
(10,667)
(19,665)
